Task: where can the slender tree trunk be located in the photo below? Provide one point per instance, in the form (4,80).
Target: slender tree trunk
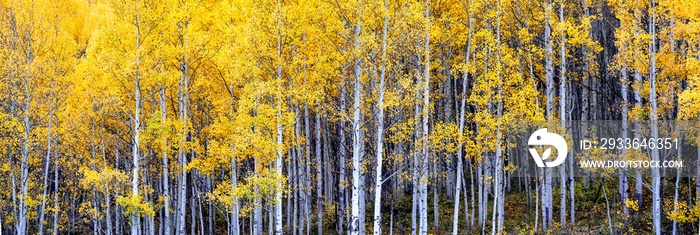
(380,129)
(297,175)
(182,159)
(55,194)
(166,184)
(462,111)
(363,193)
(537,200)
(678,124)
(234,204)
(257,203)
(24,165)
(423,182)
(473,211)
(678,178)
(343,160)
(357,142)
(549,72)
(436,187)
(300,179)
(622,178)
(562,112)
(638,103)
(607,207)
(136,121)
(319,173)
(46,167)
(307,175)
(480,184)
(278,163)
(416,159)
(655,178)
(499,183)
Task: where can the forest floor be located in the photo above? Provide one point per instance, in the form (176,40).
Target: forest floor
(591,213)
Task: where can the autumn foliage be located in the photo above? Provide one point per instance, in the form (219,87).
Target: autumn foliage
(244,117)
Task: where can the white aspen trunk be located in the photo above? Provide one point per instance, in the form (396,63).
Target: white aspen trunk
(678,178)
(380,129)
(24,180)
(423,181)
(148,226)
(319,173)
(480,183)
(622,178)
(462,110)
(235,210)
(300,181)
(95,220)
(307,175)
(537,201)
(55,195)
(487,176)
(391,218)
(46,167)
(356,142)
(343,160)
(678,171)
(184,96)
(655,177)
(136,120)
(499,184)
(549,72)
(296,169)
(290,182)
(135,183)
(303,169)
(270,219)
(278,192)
(211,216)
(278,163)
(293,199)
(607,207)
(108,214)
(572,183)
(363,194)
(166,185)
(473,212)
(193,203)
(257,203)
(436,184)
(328,176)
(638,103)
(416,159)
(468,218)
(548,187)
(562,113)
(489,170)
(14,187)
(472,174)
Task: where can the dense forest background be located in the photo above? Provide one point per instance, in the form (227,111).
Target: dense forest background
(331,117)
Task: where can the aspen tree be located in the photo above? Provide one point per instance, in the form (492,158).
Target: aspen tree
(380,126)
